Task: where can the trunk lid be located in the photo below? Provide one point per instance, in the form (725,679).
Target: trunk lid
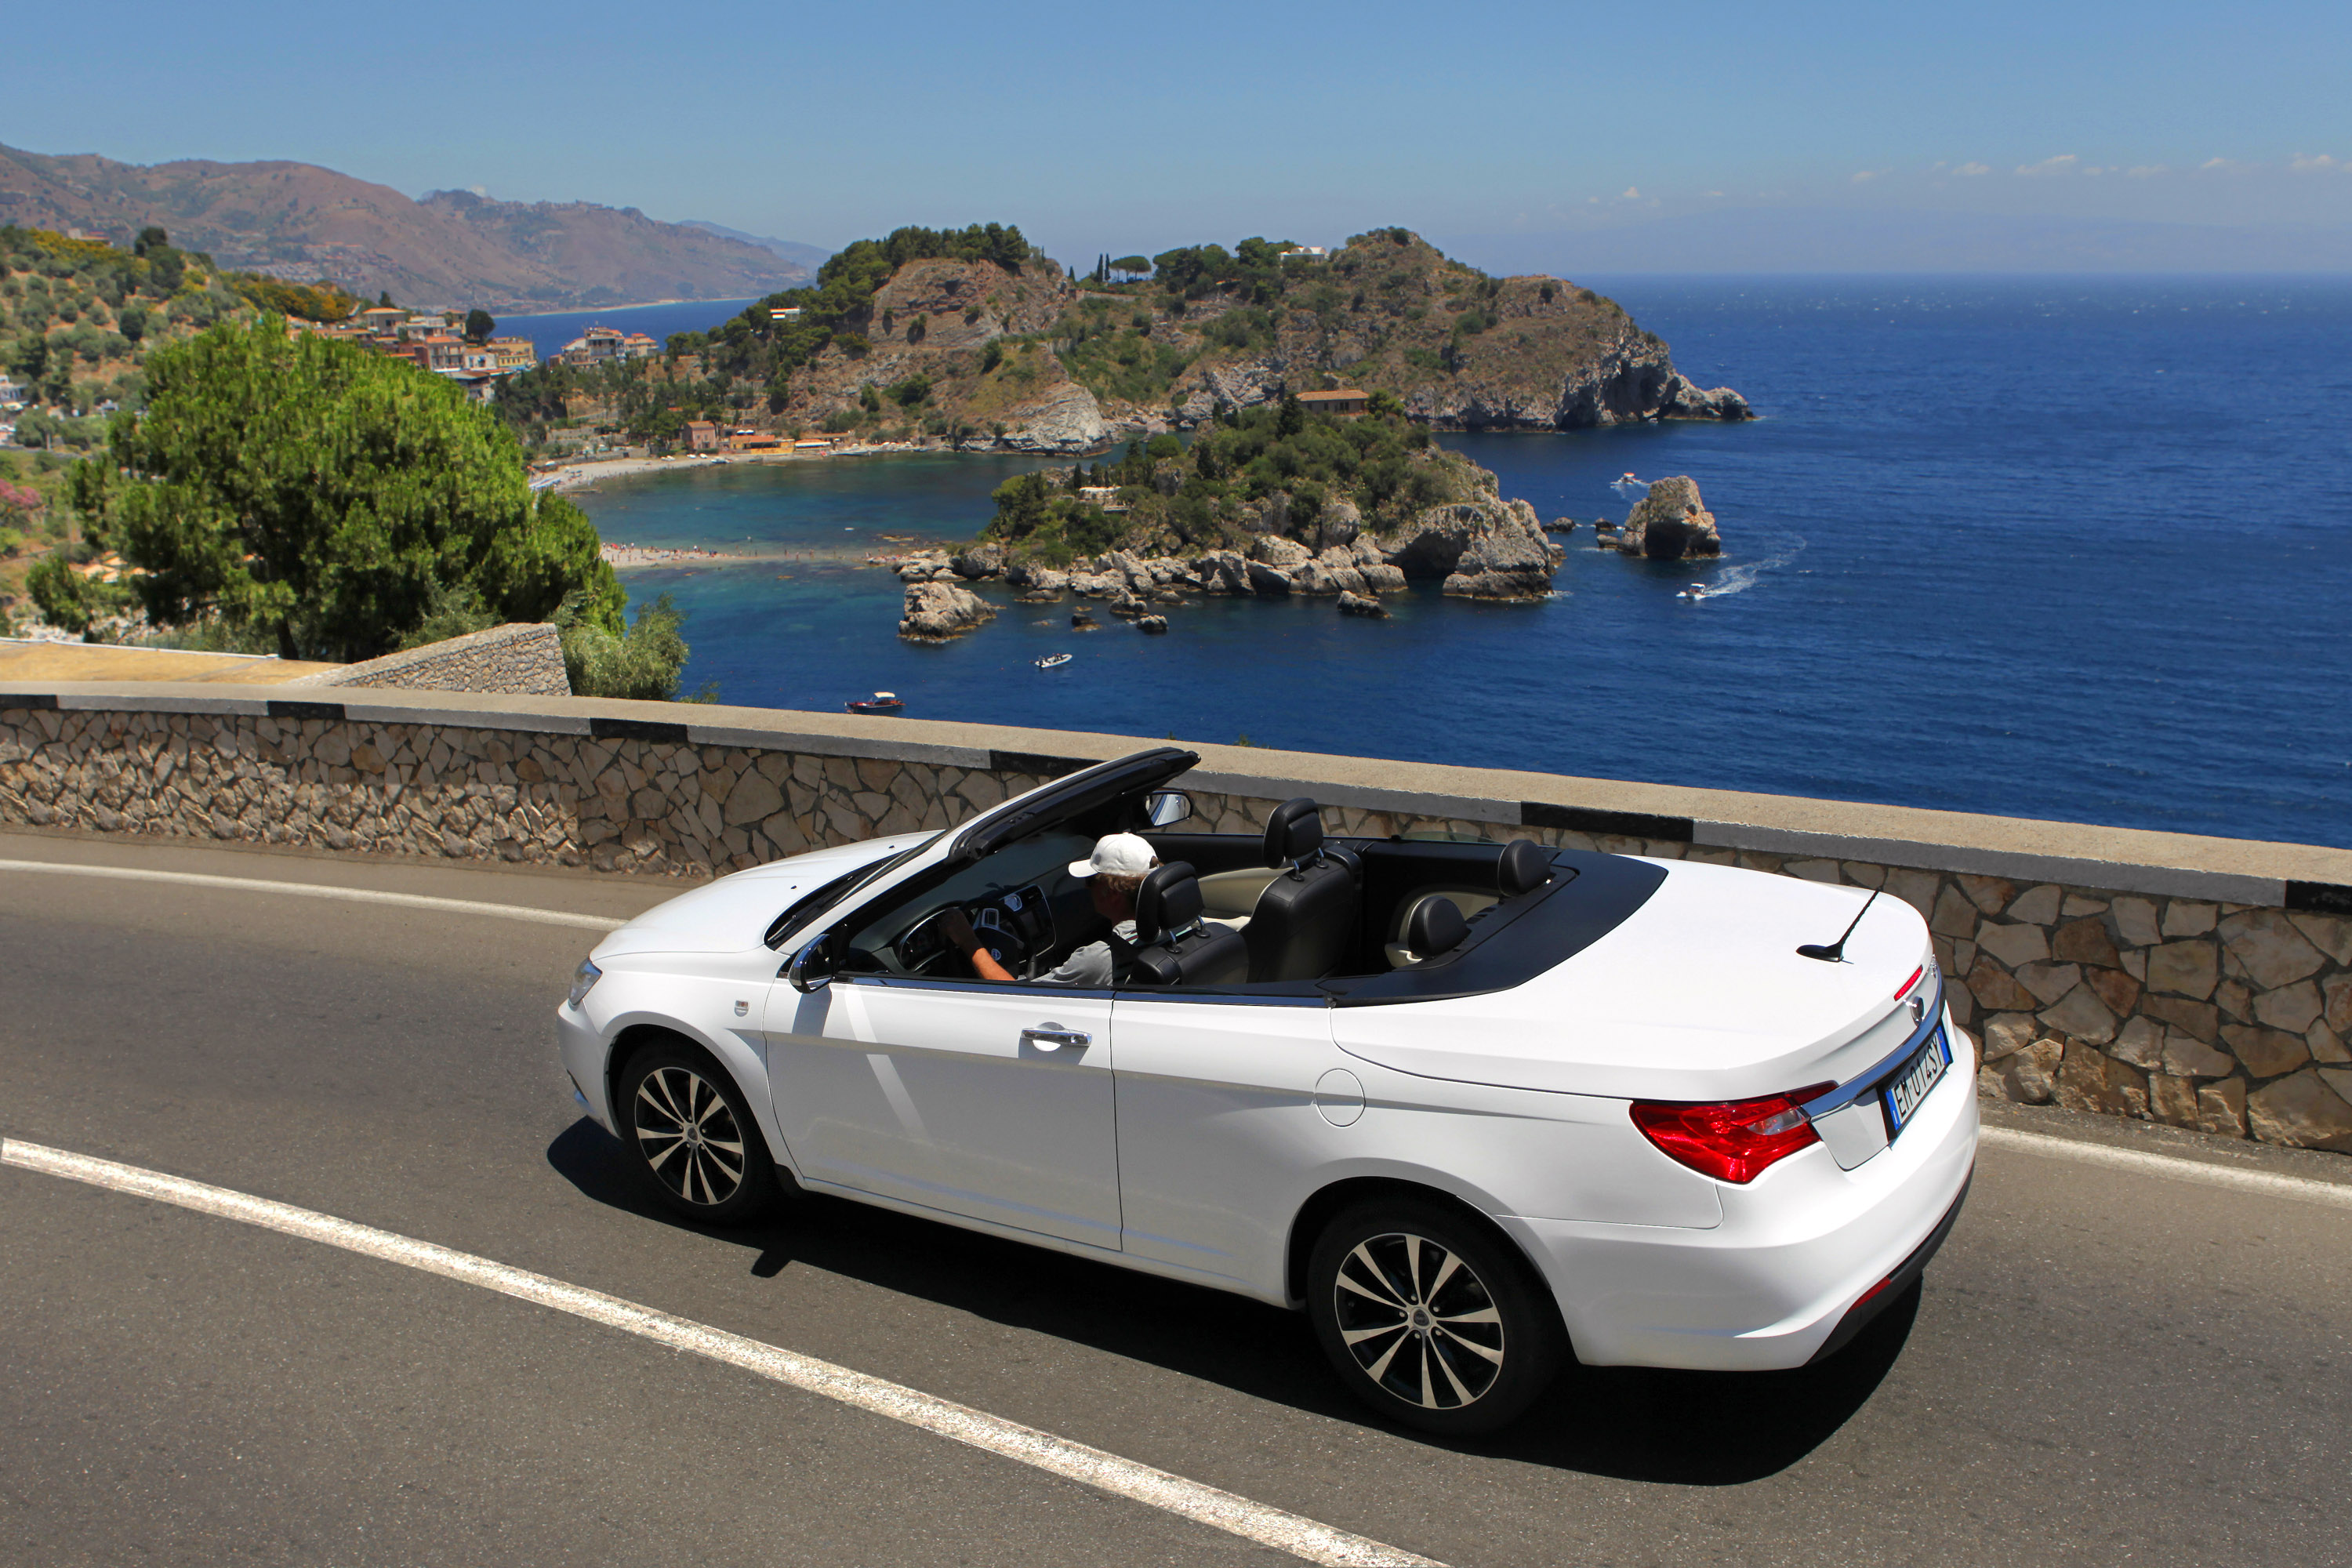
(1698,995)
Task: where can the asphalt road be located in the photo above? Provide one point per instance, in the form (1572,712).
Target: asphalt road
(2101,1367)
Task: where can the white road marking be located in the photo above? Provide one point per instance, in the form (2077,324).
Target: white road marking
(2336,1194)
(1284,1531)
(312,890)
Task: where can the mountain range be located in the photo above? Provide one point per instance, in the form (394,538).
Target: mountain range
(452,249)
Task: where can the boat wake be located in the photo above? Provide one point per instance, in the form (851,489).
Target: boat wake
(1739,579)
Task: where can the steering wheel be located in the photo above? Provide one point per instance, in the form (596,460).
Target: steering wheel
(1004,941)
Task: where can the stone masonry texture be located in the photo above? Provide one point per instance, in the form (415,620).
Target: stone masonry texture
(2206,1014)
(520,658)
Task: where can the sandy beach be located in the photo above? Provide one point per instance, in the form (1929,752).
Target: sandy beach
(587,471)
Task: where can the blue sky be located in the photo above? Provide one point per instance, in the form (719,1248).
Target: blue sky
(1118,127)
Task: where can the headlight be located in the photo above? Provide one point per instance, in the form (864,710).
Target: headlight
(583,982)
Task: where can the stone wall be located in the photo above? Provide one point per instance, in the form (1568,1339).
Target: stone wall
(519,659)
(2203,983)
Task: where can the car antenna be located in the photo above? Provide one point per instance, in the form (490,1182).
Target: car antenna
(1835,952)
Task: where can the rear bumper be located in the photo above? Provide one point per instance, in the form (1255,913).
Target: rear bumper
(1783,1279)
(1889,1291)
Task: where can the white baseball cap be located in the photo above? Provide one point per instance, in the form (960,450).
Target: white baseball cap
(1121,854)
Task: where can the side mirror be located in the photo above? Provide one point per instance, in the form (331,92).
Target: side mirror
(813,966)
(1166,807)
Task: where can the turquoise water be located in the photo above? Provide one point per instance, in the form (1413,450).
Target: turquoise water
(2072,550)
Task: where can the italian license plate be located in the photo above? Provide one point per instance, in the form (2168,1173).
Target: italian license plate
(1913,1080)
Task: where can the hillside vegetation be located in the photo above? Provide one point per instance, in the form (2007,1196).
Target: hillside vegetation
(971,337)
(1246,473)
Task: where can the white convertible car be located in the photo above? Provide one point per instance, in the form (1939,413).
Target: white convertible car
(1479,1109)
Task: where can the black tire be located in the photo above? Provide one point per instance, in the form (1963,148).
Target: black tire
(1456,1347)
(691,1135)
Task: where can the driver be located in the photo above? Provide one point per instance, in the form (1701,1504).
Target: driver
(1112,874)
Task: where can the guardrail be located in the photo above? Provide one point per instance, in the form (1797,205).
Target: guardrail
(2200,982)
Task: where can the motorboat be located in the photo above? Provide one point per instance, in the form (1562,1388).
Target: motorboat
(1631,488)
(1053,661)
(880,702)
(1694,591)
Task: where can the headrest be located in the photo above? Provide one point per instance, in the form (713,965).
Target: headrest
(1293,832)
(1526,866)
(1169,899)
(1434,926)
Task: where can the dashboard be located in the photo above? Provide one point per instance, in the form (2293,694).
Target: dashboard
(1016,927)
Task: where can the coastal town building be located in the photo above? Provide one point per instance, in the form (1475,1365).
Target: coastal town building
(1309,252)
(702,436)
(747,440)
(784,314)
(432,341)
(1346,401)
(600,345)
(1103,496)
(11,394)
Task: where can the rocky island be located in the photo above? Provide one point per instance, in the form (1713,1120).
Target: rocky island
(973,338)
(1269,501)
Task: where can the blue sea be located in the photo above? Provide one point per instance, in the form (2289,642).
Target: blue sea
(2077,549)
(548,333)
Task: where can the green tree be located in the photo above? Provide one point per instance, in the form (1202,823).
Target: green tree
(479,325)
(326,495)
(1135,266)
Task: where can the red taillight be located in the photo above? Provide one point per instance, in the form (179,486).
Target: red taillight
(1905,989)
(1734,1141)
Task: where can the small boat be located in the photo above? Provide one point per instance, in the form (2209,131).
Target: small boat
(880,702)
(1629,487)
(1053,661)
(1695,591)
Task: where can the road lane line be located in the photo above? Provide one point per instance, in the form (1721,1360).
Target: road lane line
(312,890)
(2333,1194)
(1294,1533)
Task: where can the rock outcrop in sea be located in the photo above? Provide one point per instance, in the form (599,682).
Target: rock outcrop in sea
(936,611)
(1671,524)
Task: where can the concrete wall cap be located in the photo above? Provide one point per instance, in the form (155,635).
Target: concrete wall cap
(2122,860)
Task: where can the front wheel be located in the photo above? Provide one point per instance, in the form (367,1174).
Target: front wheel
(1430,1319)
(692,1136)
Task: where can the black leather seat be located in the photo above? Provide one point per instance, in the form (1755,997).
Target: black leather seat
(1304,920)
(1174,946)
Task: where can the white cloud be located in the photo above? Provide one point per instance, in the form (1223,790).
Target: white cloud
(1864,176)
(2063,164)
(1713,192)
(1632,194)
(2146,172)
(2304,165)
(2216,163)
(1973,170)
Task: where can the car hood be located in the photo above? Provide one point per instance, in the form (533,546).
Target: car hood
(1699,994)
(732,913)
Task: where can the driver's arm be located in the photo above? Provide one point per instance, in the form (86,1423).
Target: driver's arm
(967,941)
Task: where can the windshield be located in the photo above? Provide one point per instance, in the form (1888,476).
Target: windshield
(840,888)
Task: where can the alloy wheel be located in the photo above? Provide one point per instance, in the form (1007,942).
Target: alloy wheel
(688,1137)
(1418,1320)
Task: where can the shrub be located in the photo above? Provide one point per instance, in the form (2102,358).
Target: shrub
(644,665)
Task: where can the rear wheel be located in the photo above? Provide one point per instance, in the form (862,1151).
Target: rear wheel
(691,1134)
(1429,1319)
